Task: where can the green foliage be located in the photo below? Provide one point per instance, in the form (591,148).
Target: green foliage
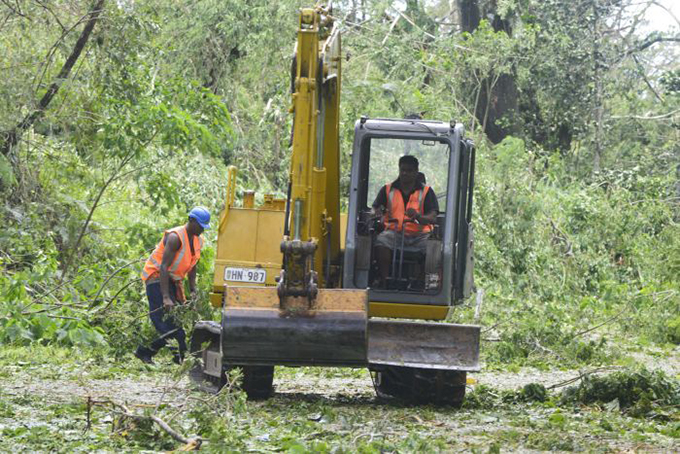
(167,94)
(484,397)
(563,264)
(671,330)
(638,392)
(534,392)
(6,172)
(71,254)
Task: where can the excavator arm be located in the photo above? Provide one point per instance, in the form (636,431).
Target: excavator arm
(307,319)
(311,245)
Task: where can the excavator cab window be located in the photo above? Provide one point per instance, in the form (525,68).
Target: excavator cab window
(383,166)
(414,267)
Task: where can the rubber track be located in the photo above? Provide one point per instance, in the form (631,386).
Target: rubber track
(257,380)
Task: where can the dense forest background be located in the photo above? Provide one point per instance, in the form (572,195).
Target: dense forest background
(118,116)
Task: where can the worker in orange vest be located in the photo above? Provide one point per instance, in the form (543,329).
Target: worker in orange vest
(409,205)
(175,257)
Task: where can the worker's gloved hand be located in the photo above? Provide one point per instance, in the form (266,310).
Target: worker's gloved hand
(413,214)
(167,303)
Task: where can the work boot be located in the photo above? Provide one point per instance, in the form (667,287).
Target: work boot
(144,354)
(178,356)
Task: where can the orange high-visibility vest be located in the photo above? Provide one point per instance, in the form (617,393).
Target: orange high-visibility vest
(183,261)
(396,210)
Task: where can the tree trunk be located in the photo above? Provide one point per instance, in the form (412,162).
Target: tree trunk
(501,105)
(499,100)
(469,15)
(599,107)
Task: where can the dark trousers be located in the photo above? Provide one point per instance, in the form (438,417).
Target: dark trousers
(163,322)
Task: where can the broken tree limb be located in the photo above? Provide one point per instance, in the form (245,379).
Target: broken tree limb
(11,137)
(113,298)
(609,320)
(389,32)
(581,376)
(478,307)
(112,275)
(190,443)
(652,117)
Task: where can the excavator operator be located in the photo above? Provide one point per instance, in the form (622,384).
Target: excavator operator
(407,206)
(175,257)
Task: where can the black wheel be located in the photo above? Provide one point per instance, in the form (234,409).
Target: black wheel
(422,386)
(258,381)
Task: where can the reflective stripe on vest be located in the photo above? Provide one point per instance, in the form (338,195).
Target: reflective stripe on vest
(182,263)
(396,209)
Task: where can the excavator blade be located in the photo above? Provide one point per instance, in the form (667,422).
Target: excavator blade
(257,330)
(423,345)
(335,331)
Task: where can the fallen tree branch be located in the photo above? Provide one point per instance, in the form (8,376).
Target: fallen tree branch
(538,345)
(48,315)
(618,314)
(609,320)
(640,117)
(389,32)
(113,298)
(410,21)
(190,443)
(11,138)
(112,275)
(581,375)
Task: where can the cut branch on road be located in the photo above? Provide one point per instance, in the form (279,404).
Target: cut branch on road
(122,410)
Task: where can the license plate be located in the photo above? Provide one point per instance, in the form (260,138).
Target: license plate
(253,275)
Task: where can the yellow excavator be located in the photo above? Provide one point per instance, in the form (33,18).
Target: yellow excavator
(293,276)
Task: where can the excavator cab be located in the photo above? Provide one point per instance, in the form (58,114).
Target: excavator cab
(420,361)
(438,271)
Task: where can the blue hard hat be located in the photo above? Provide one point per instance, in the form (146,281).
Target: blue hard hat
(201,215)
